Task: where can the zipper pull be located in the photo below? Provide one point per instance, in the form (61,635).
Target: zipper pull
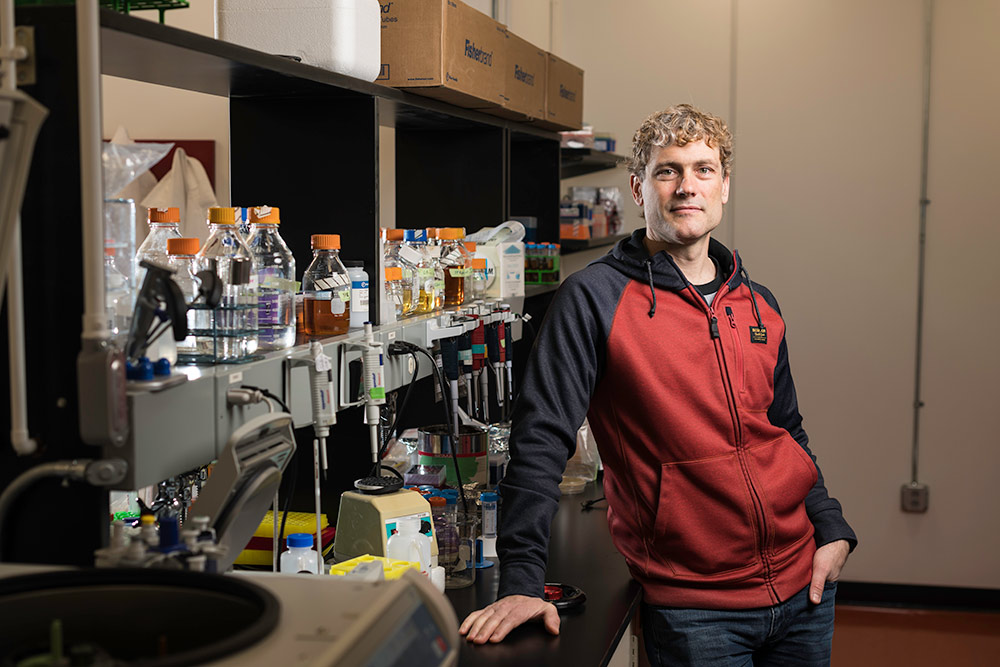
(714,326)
(732,318)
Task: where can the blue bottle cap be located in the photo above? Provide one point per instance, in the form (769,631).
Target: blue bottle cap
(418,235)
(453,493)
(141,370)
(296,540)
(162,367)
(169,534)
(488,497)
(451,500)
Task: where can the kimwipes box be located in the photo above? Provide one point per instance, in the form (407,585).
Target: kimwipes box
(443,49)
(563,95)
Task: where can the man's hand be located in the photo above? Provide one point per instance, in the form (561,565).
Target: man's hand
(492,623)
(827,563)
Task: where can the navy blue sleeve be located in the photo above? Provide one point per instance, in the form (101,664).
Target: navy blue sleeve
(824,511)
(560,377)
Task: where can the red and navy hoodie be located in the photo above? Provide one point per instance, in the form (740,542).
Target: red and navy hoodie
(715,500)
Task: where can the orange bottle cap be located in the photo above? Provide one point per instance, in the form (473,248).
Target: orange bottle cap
(470,246)
(110,252)
(478,263)
(326,241)
(451,233)
(266,214)
(437,501)
(393,273)
(172,214)
(221,215)
(182,246)
(393,234)
(432,232)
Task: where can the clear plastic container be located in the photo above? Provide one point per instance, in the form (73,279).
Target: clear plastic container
(327,289)
(488,503)
(409,543)
(275,268)
(359,292)
(117,299)
(300,557)
(198,346)
(394,290)
(454,262)
(164,223)
(235,320)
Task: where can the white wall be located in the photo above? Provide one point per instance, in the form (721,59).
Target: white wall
(825,101)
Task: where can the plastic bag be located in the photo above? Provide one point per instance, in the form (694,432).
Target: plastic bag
(123,163)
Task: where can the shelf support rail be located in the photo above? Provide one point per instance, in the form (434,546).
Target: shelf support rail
(20,439)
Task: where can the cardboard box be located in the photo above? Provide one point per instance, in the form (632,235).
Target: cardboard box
(504,269)
(563,95)
(444,49)
(524,81)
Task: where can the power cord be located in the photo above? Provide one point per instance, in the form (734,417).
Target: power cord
(399,347)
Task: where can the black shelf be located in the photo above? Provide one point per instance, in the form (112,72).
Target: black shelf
(580,161)
(569,246)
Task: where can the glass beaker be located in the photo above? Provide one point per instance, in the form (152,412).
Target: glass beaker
(460,563)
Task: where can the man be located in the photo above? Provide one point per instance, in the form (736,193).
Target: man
(681,366)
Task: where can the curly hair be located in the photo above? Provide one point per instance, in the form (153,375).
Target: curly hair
(680,125)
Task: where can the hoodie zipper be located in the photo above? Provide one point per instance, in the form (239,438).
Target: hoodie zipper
(738,344)
(758,505)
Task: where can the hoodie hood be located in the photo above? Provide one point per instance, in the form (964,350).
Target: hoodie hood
(630,257)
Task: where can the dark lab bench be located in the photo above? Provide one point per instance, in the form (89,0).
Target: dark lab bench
(580,554)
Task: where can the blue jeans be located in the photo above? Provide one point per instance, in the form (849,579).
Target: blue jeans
(793,632)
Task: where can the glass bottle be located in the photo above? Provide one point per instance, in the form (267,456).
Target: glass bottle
(182,258)
(327,289)
(235,320)
(416,241)
(433,251)
(477,278)
(394,290)
(275,268)
(117,299)
(454,261)
(398,253)
(164,223)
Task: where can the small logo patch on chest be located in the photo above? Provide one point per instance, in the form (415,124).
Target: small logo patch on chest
(758,335)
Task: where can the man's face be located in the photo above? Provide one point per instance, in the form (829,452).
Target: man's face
(682,192)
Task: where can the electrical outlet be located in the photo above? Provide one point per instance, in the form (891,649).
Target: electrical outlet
(914,497)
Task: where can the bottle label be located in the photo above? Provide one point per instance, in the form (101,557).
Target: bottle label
(433,251)
(410,255)
(344,295)
(425,272)
(268,310)
(359,294)
(438,285)
(273,282)
(460,273)
(332,282)
(453,257)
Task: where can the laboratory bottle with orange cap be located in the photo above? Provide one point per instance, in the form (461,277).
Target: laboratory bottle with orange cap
(226,253)
(275,268)
(326,287)
(454,261)
(182,257)
(164,223)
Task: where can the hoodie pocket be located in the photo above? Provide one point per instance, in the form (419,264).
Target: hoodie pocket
(785,475)
(704,520)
